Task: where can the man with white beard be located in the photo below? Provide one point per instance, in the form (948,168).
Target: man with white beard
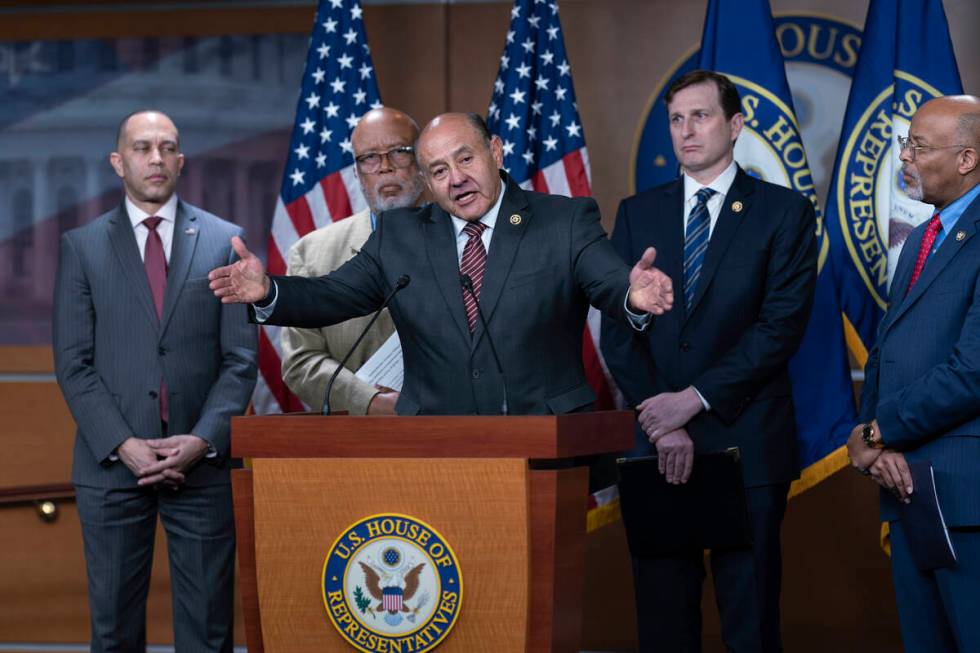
(384,156)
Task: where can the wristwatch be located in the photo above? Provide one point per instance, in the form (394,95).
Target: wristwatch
(870,437)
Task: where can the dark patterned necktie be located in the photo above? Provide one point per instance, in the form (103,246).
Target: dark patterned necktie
(928,238)
(473,263)
(155,264)
(696,243)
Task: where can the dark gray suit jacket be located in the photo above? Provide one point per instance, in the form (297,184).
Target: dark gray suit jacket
(549,259)
(922,378)
(111,351)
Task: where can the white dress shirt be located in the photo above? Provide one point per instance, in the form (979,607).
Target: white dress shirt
(168,215)
(489,219)
(720,184)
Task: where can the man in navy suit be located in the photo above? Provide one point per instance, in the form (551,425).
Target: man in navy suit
(712,373)
(921,396)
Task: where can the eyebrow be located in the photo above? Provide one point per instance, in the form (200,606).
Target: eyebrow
(452,155)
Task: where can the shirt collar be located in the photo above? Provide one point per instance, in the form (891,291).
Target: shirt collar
(949,216)
(489,218)
(167,212)
(719,184)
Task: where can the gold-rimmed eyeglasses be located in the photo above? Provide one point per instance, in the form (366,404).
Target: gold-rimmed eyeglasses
(398,157)
(906,145)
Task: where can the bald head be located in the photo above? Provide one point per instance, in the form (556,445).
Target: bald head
(945,163)
(383,143)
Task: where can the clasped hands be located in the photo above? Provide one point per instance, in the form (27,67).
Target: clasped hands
(888,468)
(163,460)
(663,418)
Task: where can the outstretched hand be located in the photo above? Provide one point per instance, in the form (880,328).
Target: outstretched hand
(651,291)
(242,282)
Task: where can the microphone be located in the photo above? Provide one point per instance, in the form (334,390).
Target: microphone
(403,281)
(467,284)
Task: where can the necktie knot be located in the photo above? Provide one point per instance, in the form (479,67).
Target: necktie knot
(152,222)
(934,225)
(474,229)
(704,194)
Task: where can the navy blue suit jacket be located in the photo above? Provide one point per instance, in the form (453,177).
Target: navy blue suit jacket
(748,316)
(922,378)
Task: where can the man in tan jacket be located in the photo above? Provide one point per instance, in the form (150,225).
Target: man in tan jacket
(383,143)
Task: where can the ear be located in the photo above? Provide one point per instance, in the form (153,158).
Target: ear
(497,150)
(180,163)
(115,160)
(736,123)
(968,161)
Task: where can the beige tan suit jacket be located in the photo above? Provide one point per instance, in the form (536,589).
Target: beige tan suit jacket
(310,356)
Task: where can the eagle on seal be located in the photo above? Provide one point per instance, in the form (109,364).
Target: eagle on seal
(373,582)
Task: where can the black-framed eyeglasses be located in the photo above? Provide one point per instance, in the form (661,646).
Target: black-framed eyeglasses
(906,145)
(399,157)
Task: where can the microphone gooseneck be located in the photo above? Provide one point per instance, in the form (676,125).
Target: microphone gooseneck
(467,283)
(402,281)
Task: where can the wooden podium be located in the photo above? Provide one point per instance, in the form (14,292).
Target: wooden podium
(506,493)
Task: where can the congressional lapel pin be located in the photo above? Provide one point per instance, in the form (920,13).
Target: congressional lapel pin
(960,235)
(737,206)
(515,219)
(190,231)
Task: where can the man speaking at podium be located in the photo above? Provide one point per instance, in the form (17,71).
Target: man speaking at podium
(487,256)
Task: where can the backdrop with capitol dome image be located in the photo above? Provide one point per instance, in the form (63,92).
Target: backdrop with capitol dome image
(821,118)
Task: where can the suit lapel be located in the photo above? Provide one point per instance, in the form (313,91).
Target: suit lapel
(504,242)
(440,247)
(939,260)
(668,238)
(182,248)
(127,252)
(721,237)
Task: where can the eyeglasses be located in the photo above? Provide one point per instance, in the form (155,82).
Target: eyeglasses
(906,144)
(399,157)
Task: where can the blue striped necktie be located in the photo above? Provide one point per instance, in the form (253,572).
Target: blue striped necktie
(696,243)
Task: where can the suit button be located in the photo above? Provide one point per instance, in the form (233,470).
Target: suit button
(162,351)
(476,374)
(153,394)
(685,346)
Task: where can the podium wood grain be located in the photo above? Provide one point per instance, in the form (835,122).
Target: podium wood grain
(302,505)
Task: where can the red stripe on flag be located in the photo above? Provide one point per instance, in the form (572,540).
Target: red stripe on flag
(594,374)
(270,367)
(335,192)
(539,183)
(299,212)
(277,264)
(578,181)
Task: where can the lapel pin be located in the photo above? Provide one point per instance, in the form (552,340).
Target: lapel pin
(960,235)
(515,219)
(737,206)
(190,231)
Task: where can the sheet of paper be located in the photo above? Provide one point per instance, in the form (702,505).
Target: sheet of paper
(385,368)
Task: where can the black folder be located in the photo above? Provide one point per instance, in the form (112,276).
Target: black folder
(923,523)
(707,512)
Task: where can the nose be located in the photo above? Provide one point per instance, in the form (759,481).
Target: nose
(687,129)
(905,155)
(385,165)
(155,156)
(456,177)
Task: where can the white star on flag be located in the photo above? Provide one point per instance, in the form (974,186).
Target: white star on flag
(319,185)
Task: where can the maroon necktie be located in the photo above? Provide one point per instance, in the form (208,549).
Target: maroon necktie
(473,263)
(155,264)
(928,238)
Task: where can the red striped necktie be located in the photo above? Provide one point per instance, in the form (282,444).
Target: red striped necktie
(473,263)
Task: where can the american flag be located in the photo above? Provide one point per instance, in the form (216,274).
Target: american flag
(533,110)
(319,185)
